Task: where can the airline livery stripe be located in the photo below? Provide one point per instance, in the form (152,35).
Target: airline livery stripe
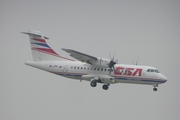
(47,50)
(39,40)
(42,44)
(50,52)
(117,78)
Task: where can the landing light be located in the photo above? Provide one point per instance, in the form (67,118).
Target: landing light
(113,80)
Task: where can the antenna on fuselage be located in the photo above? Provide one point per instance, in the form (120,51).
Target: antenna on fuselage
(136,61)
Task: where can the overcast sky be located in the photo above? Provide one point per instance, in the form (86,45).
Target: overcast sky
(145,29)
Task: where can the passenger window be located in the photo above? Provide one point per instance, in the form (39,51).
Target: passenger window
(77,67)
(98,69)
(91,68)
(104,69)
(94,68)
(84,68)
(101,69)
(148,70)
(81,68)
(87,68)
(74,67)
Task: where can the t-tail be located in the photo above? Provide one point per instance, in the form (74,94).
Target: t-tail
(41,51)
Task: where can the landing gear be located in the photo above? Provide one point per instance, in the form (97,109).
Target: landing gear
(93,84)
(155,89)
(105,87)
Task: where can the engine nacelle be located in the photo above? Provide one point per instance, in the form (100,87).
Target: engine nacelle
(101,62)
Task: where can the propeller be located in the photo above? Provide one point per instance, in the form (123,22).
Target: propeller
(112,63)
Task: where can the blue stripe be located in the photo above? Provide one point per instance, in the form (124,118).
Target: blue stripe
(42,44)
(77,75)
(141,80)
(153,81)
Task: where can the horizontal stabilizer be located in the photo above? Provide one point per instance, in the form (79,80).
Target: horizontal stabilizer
(35,34)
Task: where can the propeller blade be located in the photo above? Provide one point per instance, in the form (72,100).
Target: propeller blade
(133,61)
(110,70)
(110,56)
(116,60)
(114,68)
(114,55)
(112,63)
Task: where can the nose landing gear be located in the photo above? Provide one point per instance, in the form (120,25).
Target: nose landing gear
(155,89)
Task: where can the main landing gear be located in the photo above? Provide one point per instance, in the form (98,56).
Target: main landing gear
(155,89)
(105,87)
(94,84)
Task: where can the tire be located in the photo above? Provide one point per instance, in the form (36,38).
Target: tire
(93,84)
(105,87)
(155,89)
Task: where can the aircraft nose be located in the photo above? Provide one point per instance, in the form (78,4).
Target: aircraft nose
(163,78)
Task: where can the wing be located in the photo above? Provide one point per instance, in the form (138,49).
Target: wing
(81,56)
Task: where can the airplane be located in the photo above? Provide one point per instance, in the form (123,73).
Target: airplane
(87,67)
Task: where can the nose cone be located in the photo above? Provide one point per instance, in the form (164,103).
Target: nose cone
(163,78)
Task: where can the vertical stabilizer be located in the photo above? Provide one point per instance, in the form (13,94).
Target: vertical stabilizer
(41,51)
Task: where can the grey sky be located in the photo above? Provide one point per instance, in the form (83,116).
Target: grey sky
(145,29)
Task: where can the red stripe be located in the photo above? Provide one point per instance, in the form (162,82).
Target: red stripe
(47,50)
(39,40)
(50,52)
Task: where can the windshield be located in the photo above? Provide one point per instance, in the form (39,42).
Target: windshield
(153,70)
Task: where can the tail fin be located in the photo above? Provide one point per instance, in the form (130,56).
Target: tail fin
(41,51)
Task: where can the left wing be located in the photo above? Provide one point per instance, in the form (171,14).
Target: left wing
(101,62)
(81,56)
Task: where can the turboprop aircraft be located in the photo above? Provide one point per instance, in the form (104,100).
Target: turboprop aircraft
(89,68)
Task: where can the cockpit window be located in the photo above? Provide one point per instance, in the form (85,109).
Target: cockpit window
(156,71)
(152,70)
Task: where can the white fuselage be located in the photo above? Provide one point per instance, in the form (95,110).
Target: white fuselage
(82,71)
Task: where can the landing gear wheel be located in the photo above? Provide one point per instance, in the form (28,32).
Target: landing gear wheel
(93,84)
(155,89)
(105,87)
